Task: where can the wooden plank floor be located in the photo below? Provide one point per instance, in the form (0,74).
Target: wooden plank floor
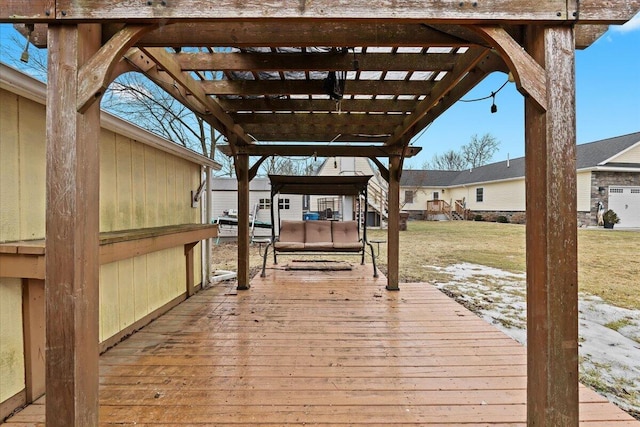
(319,348)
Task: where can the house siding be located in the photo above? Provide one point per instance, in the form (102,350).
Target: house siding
(140,186)
(223,200)
(630,156)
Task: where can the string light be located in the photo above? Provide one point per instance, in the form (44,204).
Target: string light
(494,107)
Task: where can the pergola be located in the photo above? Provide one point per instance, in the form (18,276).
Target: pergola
(397,67)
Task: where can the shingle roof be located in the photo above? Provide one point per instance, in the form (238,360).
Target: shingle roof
(587,155)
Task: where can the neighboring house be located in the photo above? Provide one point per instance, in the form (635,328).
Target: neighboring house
(345,207)
(608,171)
(225,203)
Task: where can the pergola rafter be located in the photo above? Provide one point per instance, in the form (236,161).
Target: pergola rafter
(404,64)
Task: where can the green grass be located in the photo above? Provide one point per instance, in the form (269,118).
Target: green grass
(616,325)
(608,260)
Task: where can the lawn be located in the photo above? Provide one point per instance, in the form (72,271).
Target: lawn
(608,260)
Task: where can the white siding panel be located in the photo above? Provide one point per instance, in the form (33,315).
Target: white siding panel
(631,156)
(584,191)
(499,196)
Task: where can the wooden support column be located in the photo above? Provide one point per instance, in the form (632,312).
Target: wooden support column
(190,264)
(72,258)
(34,337)
(393,229)
(551,241)
(242,173)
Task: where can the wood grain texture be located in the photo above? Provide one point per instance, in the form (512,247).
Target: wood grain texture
(72,227)
(322,348)
(551,241)
(393,230)
(324,9)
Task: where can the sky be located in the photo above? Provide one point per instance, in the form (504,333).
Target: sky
(607,99)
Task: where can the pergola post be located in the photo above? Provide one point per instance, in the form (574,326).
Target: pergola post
(72,222)
(393,228)
(551,236)
(242,174)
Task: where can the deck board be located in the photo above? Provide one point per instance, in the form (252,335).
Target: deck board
(321,348)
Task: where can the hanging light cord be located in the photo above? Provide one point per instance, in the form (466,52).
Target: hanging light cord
(493,94)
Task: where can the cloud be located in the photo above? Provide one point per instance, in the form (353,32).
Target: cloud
(632,25)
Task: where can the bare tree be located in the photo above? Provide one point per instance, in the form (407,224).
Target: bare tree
(450,160)
(133,97)
(480,151)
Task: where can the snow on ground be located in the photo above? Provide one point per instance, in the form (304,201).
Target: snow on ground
(609,336)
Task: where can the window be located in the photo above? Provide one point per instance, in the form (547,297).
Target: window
(264,204)
(479,194)
(408,196)
(283,204)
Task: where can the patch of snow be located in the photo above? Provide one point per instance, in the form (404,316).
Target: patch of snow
(609,335)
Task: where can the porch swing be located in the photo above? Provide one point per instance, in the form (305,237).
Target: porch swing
(319,236)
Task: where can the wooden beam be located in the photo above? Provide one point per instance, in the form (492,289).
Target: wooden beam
(336,33)
(586,35)
(490,63)
(97,73)
(314,87)
(166,62)
(107,10)
(317,105)
(33,299)
(308,34)
(393,229)
(384,171)
(190,267)
(326,61)
(318,119)
(242,173)
(471,59)
(253,171)
(29,11)
(263,132)
(323,137)
(551,237)
(528,74)
(604,12)
(323,150)
(143,64)
(72,264)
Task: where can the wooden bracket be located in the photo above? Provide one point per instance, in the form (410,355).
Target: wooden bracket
(530,77)
(253,171)
(384,171)
(96,74)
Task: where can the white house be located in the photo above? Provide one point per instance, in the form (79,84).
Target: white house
(345,207)
(608,171)
(225,204)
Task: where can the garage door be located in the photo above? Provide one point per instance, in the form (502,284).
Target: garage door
(625,201)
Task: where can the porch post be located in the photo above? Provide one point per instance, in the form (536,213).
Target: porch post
(551,236)
(393,229)
(72,262)
(242,173)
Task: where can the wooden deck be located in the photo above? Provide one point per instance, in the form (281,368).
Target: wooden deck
(320,348)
